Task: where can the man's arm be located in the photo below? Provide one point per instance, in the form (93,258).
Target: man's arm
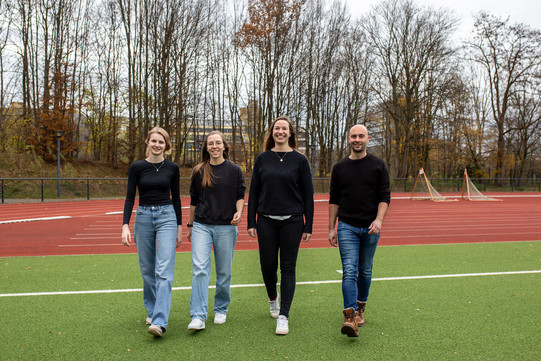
(333,216)
(375,227)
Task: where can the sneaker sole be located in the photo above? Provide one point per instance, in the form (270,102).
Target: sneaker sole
(155,333)
(282,332)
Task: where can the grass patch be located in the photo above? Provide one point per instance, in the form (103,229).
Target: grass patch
(474,318)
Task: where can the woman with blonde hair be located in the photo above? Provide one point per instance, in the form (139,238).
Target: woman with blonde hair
(280,214)
(157,225)
(216,205)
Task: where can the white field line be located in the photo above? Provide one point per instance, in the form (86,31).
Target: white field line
(58,293)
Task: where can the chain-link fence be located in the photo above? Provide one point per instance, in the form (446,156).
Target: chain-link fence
(42,189)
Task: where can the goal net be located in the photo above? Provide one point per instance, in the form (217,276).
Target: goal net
(470,191)
(423,190)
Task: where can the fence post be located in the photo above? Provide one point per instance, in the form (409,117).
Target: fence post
(512,184)
(42,189)
(87,189)
(2,190)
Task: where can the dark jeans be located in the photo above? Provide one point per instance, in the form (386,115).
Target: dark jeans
(279,238)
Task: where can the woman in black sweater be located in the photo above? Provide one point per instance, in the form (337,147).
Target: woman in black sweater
(216,205)
(158,225)
(280,214)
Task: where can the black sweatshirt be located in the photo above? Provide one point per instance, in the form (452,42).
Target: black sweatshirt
(281,188)
(156,188)
(217,204)
(358,187)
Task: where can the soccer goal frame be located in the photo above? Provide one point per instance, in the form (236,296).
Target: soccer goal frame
(470,191)
(425,190)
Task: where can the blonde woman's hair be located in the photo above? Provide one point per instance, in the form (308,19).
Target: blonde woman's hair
(269,140)
(204,167)
(165,136)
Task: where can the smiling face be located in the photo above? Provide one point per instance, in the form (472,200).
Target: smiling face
(281,132)
(215,147)
(358,140)
(156,144)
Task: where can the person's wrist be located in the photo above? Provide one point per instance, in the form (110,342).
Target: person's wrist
(189,225)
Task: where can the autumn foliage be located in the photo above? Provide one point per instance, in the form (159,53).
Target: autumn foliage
(267,19)
(56,114)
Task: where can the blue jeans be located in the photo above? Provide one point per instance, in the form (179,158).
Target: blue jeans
(204,237)
(357,249)
(155,234)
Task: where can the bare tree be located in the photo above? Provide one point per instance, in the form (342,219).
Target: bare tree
(508,54)
(524,124)
(266,37)
(475,127)
(412,52)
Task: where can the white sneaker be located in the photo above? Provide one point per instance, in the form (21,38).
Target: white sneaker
(148,321)
(275,307)
(282,325)
(155,330)
(196,324)
(219,318)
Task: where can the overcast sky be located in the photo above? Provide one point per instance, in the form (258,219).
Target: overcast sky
(519,11)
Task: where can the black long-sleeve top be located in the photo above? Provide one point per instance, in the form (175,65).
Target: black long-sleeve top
(280,188)
(156,188)
(358,186)
(217,204)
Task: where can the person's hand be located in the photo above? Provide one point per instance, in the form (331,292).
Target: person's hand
(126,235)
(306,237)
(252,232)
(333,238)
(179,236)
(189,234)
(236,218)
(375,227)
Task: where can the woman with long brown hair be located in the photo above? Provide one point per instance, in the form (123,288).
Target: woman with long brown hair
(280,214)
(216,205)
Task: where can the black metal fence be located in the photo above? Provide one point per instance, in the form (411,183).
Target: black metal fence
(41,189)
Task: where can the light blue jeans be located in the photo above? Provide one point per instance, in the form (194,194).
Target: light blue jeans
(357,249)
(155,234)
(204,237)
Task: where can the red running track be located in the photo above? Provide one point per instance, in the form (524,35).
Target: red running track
(95,226)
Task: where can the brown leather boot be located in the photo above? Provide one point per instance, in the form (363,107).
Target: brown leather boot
(359,316)
(349,327)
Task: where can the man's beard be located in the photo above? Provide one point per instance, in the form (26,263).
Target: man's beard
(360,150)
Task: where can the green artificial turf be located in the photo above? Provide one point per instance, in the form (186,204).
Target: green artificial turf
(481,317)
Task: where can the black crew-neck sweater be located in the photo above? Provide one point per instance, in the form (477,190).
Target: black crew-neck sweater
(156,188)
(358,186)
(281,188)
(216,205)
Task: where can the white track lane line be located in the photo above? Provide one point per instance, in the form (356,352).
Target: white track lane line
(35,219)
